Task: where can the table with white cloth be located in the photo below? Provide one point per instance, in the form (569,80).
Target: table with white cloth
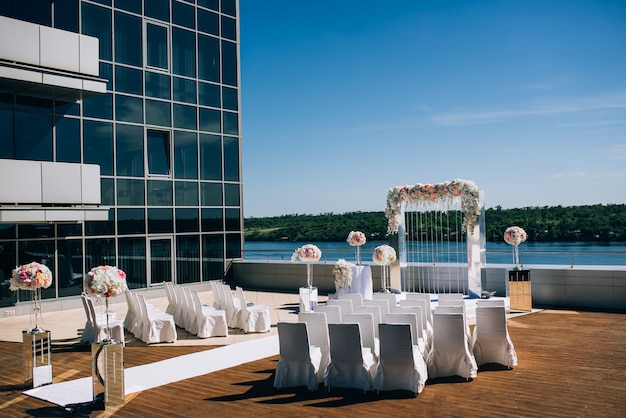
(361,281)
(308,299)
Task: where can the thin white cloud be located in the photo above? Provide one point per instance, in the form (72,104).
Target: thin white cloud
(571,106)
(585,174)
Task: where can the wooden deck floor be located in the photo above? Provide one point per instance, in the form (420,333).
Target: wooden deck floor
(570,364)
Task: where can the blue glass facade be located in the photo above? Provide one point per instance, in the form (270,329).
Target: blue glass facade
(165,135)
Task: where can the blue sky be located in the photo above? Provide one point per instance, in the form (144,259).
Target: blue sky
(344,99)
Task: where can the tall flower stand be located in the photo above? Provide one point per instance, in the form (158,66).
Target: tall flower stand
(519,290)
(37,358)
(308,299)
(108,373)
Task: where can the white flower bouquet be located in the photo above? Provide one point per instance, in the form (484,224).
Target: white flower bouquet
(343,274)
(106,281)
(30,276)
(307,253)
(384,255)
(356,238)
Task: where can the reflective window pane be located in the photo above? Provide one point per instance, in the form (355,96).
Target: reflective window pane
(208,22)
(212,257)
(130,5)
(209,94)
(183,52)
(33,136)
(130,153)
(157,85)
(231,123)
(230,100)
(185,155)
(107,191)
(132,259)
(99,106)
(158,113)
(158,143)
(229,7)
(67,140)
(187,220)
(99,252)
(160,193)
(158,9)
(101,227)
(160,221)
(69,267)
(212,220)
(130,192)
(229,63)
(131,221)
(229,28)
(183,15)
(128,39)
(156,46)
(231,159)
(186,193)
(187,259)
(231,194)
(210,4)
(211,194)
(210,120)
(210,157)
(233,246)
(232,219)
(128,109)
(208,58)
(184,116)
(7,149)
(184,90)
(96,21)
(128,80)
(98,145)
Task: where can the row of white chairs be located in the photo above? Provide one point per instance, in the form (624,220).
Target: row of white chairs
(240,314)
(100,326)
(312,352)
(147,322)
(189,313)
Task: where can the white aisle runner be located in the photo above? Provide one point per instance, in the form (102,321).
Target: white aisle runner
(163,372)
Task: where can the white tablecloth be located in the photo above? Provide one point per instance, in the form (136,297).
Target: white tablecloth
(361,282)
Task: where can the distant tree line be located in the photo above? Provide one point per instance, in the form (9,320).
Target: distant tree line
(601,223)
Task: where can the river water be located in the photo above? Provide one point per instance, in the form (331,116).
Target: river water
(556,253)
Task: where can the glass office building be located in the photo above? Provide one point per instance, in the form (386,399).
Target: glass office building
(146,92)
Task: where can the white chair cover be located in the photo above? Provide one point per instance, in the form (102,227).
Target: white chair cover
(89,332)
(450,354)
(171,298)
(426,298)
(130,320)
(157,326)
(401,365)
(333,313)
(491,342)
(376,316)
(317,326)
(344,304)
(366,326)
(410,318)
(351,364)
(190,315)
(233,312)
(425,314)
(382,304)
(179,306)
(391,298)
(218,298)
(356,298)
(299,363)
(255,318)
(210,322)
(116,325)
(421,332)
(458,297)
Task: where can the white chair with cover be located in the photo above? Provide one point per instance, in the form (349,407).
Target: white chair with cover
(233,309)
(453,307)
(157,326)
(375,311)
(426,325)
(368,334)
(382,304)
(89,333)
(356,298)
(179,314)
(401,365)
(426,298)
(171,298)
(450,354)
(99,324)
(344,304)
(421,331)
(218,298)
(190,315)
(317,327)
(491,302)
(351,364)
(491,342)
(133,315)
(299,362)
(333,313)
(391,298)
(254,318)
(210,322)
(410,318)
(445,297)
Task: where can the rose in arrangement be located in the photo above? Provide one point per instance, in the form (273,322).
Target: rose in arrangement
(384,255)
(106,281)
(514,235)
(343,274)
(31,276)
(356,238)
(307,253)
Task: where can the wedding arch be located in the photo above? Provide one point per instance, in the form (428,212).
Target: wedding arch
(440,232)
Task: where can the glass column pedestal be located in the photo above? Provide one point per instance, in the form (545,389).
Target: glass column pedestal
(37,358)
(308,299)
(108,373)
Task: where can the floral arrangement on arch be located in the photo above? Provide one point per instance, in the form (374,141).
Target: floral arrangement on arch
(356,238)
(106,281)
(384,255)
(307,253)
(31,276)
(445,192)
(343,274)
(514,235)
